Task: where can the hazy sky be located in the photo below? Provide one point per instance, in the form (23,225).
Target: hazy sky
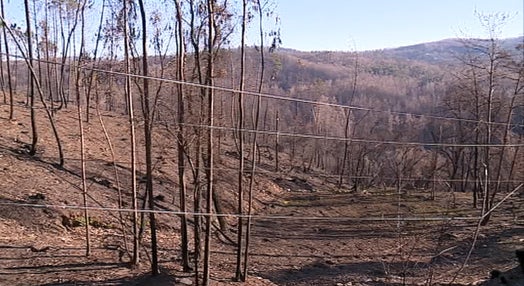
(371,24)
(375,24)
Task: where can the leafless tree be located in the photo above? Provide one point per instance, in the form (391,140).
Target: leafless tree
(181,144)
(347,126)
(8,64)
(148,112)
(130,112)
(211,43)
(81,131)
(31,94)
(258,7)
(240,130)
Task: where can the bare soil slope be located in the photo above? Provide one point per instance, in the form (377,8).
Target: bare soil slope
(305,231)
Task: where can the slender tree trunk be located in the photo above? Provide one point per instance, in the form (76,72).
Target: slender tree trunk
(180,138)
(2,77)
(346,147)
(31,94)
(117,177)
(491,86)
(136,242)
(8,63)
(240,130)
(60,79)
(347,136)
(15,74)
(503,148)
(210,121)
(514,159)
(82,144)
(95,55)
(197,209)
(197,194)
(434,163)
(84,183)
(476,172)
(45,44)
(277,123)
(254,143)
(70,41)
(148,129)
(38,56)
(55,67)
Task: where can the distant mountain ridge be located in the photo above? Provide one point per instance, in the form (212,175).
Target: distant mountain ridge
(441,51)
(412,78)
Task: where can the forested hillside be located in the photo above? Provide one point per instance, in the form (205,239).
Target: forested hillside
(394,98)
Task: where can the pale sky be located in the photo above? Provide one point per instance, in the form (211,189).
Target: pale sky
(375,24)
(312,25)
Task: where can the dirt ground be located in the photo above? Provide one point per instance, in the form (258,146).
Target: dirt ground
(305,231)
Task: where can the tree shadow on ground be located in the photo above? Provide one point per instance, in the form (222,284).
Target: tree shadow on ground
(163,279)
(323,229)
(31,217)
(326,273)
(70,267)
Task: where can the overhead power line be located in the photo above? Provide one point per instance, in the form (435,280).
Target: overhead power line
(351,140)
(274,96)
(436,179)
(343,139)
(275,217)
(270,217)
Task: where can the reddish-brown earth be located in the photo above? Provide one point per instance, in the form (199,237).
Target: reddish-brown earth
(305,230)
